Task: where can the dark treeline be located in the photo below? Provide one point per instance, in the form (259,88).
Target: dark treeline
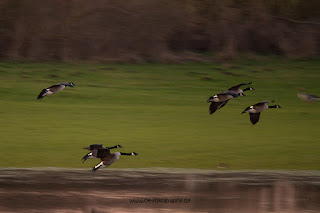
(156,30)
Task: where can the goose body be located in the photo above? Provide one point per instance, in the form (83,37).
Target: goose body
(256,109)
(221,97)
(220,100)
(308,97)
(54,89)
(239,91)
(97,150)
(107,158)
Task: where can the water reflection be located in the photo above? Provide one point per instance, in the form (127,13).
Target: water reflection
(158,191)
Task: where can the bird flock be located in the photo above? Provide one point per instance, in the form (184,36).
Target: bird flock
(217,102)
(220,100)
(96,150)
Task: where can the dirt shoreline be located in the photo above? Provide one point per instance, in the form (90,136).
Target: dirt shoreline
(160,190)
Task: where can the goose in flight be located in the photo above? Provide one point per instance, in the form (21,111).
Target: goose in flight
(54,89)
(107,158)
(239,91)
(256,109)
(308,98)
(220,100)
(94,147)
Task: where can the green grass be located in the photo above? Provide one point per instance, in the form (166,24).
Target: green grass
(160,112)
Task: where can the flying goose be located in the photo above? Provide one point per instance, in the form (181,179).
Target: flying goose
(54,89)
(256,109)
(218,101)
(307,97)
(107,158)
(93,147)
(239,91)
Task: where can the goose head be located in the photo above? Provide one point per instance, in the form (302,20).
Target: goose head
(247,109)
(212,98)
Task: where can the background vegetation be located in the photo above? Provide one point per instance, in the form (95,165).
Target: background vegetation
(157,30)
(160,112)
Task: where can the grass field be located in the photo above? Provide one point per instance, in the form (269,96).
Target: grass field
(160,112)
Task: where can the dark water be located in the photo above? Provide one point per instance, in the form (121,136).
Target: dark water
(48,190)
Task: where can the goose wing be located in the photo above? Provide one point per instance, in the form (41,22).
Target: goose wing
(95,146)
(59,84)
(236,87)
(227,95)
(214,106)
(263,102)
(223,104)
(254,117)
(42,93)
(103,153)
(55,85)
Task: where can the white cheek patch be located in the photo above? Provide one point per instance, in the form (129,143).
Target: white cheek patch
(251,107)
(90,156)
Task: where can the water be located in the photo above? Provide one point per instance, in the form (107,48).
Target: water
(162,190)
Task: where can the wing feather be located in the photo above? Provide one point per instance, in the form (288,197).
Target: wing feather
(214,106)
(236,87)
(254,117)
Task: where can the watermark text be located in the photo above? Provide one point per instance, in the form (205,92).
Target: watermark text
(160,200)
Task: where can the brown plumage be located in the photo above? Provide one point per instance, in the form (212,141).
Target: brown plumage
(54,89)
(239,91)
(107,158)
(94,151)
(220,100)
(256,109)
(308,98)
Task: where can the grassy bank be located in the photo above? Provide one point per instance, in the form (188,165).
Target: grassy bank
(160,112)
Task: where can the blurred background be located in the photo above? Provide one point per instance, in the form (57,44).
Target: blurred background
(143,70)
(164,30)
